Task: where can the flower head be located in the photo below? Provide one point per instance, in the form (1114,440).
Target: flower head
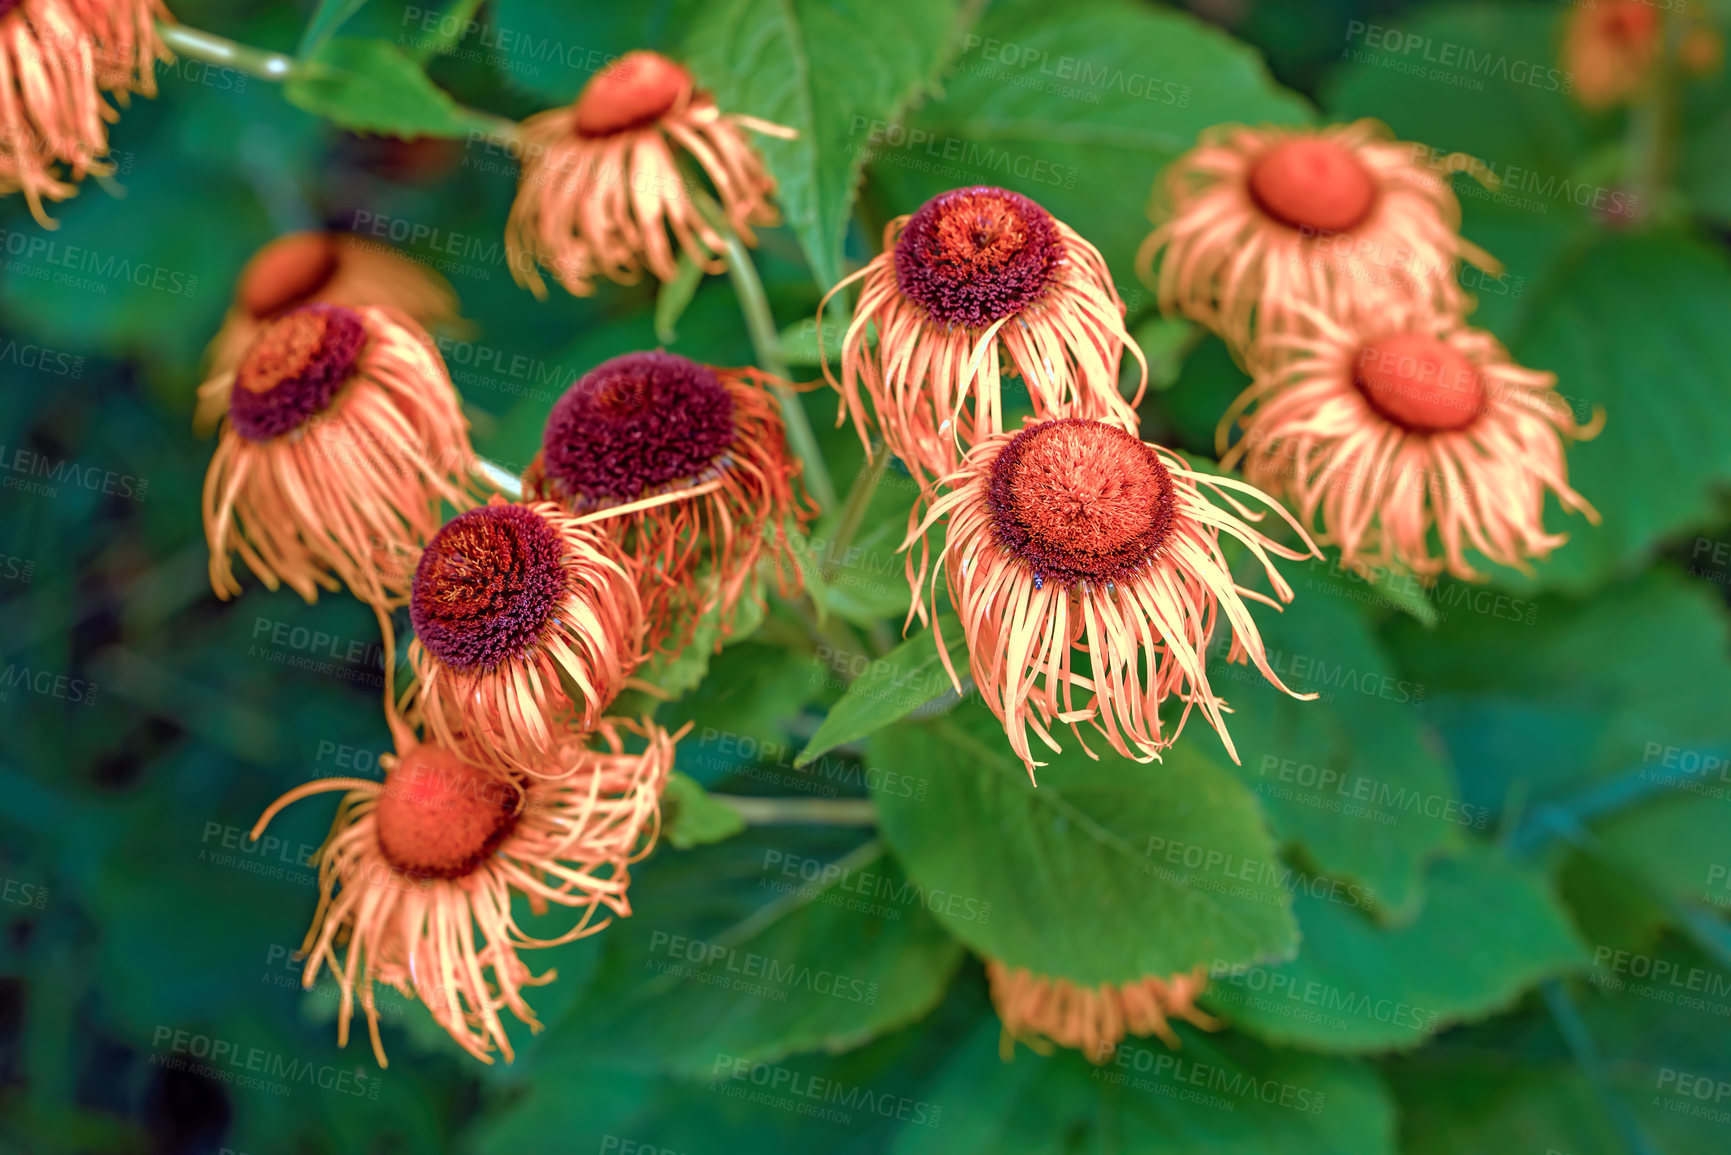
(1072,537)
(417,878)
(978,282)
(1039,1010)
(647,425)
(1610,48)
(601,190)
(1384,426)
(57,57)
(1259,223)
(317,267)
(526,622)
(342,436)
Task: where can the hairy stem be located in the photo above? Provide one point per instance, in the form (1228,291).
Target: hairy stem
(184,41)
(801,811)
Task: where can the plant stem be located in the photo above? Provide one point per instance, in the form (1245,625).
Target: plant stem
(853,510)
(801,811)
(203,46)
(498,477)
(459,15)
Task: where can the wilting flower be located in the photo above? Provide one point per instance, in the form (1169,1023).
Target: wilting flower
(1074,537)
(1385,426)
(601,190)
(649,425)
(329,268)
(526,623)
(1262,222)
(1039,1010)
(1610,48)
(342,437)
(417,877)
(979,282)
(57,57)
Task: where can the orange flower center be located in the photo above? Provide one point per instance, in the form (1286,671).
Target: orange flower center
(487,585)
(286,272)
(973,256)
(632,92)
(294,369)
(1312,185)
(1630,23)
(636,425)
(1419,383)
(1080,501)
(439,816)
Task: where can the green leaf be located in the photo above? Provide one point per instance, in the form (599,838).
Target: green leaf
(330,15)
(758,948)
(1215,1096)
(889,688)
(370,86)
(828,70)
(673,296)
(1488,931)
(799,343)
(1108,871)
(694,818)
(1166,341)
(1078,106)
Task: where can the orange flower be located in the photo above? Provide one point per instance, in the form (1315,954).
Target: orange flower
(1261,222)
(56,59)
(526,622)
(342,436)
(601,189)
(330,268)
(648,424)
(1073,537)
(1039,1010)
(417,877)
(1384,426)
(1610,47)
(978,282)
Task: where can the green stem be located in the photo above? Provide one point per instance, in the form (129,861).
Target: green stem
(498,477)
(1651,127)
(801,811)
(184,41)
(460,15)
(853,510)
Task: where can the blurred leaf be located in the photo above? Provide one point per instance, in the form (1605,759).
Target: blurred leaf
(326,19)
(1488,931)
(826,70)
(1077,106)
(673,296)
(1165,342)
(890,688)
(1216,1096)
(693,818)
(370,86)
(799,342)
(1065,879)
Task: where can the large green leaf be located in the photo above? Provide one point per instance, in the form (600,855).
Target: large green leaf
(1215,1096)
(1077,106)
(829,70)
(1488,931)
(887,689)
(370,86)
(1106,872)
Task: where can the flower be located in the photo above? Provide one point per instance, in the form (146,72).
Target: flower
(979,281)
(342,435)
(57,57)
(526,621)
(601,188)
(331,268)
(1040,1010)
(1072,536)
(1385,424)
(417,877)
(1610,48)
(1263,221)
(650,425)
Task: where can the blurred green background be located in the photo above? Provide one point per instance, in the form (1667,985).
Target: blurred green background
(1531,954)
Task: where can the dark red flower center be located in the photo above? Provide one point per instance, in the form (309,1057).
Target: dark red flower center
(7,6)
(487,585)
(439,817)
(634,426)
(286,272)
(293,369)
(1313,185)
(632,92)
(1419,383)
(972,256)
(1080,501)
